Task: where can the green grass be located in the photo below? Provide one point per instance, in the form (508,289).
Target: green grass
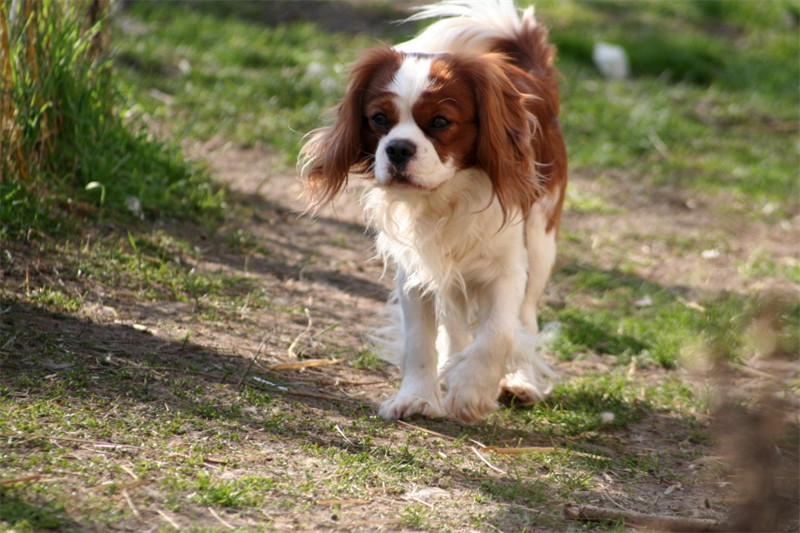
(253,83)
(23,515)
(367,359)
(736,108)
(194,456)
(70,148)
(249,491)
(621,314)
(726,115)
(151,266)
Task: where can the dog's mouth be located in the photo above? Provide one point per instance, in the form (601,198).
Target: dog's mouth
(402,181)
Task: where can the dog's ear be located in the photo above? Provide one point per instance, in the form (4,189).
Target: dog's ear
(505,145)
(330,153)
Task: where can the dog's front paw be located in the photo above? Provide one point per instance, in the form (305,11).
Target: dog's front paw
(406,405)
(471,392)
(519,389)
(468,407)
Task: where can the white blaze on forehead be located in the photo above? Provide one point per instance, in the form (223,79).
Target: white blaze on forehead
(409,82)
(426,169)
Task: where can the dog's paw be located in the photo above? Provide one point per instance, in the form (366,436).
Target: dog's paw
(518,389)
(468,407)
(406,405)
(471,392)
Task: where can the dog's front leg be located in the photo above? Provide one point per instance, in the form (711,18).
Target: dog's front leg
(419,389)
(473,376)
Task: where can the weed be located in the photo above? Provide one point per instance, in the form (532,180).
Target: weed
(614,322)
(55,299)
(65,146)
(367,360)
(583,405)
(414,516)
(21,514)
(247,491)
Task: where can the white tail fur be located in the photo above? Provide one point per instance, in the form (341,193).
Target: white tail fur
(469,27)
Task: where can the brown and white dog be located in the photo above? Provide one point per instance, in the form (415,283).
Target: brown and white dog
(457,133)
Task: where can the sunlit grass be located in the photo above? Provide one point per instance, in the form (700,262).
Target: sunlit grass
(68,149)
(253,83)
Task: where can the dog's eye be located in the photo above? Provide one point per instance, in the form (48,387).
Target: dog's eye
(380,120)
(439,123)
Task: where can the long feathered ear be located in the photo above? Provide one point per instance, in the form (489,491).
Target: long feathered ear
(330,153)
(505,147)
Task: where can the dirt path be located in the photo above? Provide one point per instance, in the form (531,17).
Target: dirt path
(324,265)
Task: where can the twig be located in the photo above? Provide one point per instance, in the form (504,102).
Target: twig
(747,369)
(155,369)
(537,449)
(20,480)
(342,502)
(339,430)
(70,439)
(325,330)
(122,486)
(258,379)
(633,518)
(425,430)
(308,363)
(423,502)
(318,395)
(349,383)
(659,145)
(518,451)
(166,517)
(306,394)
(253,361)
(130,503)
(219,518)
(130,472)
(305,331)
(336,382)
(485,460)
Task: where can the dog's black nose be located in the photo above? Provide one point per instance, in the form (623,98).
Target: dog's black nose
(400,151)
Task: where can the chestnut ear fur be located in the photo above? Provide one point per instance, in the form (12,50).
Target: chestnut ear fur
(505,147)
(332,152)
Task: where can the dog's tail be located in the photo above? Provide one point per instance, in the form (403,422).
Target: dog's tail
(484,27)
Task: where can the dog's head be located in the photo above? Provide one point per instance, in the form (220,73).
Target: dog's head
(411,121)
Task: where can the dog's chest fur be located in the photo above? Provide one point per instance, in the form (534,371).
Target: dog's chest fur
(452,240)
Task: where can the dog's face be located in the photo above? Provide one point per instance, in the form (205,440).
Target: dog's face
(422,126)
(411,121)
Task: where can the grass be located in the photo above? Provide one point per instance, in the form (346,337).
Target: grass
(129,348)
(199,458)
(731,106)
(70,147)
(611,313)
(277,81)
(709,93)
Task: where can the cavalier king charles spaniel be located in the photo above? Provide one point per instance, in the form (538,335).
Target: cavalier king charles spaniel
(456,133)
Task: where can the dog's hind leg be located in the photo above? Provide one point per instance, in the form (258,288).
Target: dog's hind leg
(527,380)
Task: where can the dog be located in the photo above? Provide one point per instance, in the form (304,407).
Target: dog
(456,133)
